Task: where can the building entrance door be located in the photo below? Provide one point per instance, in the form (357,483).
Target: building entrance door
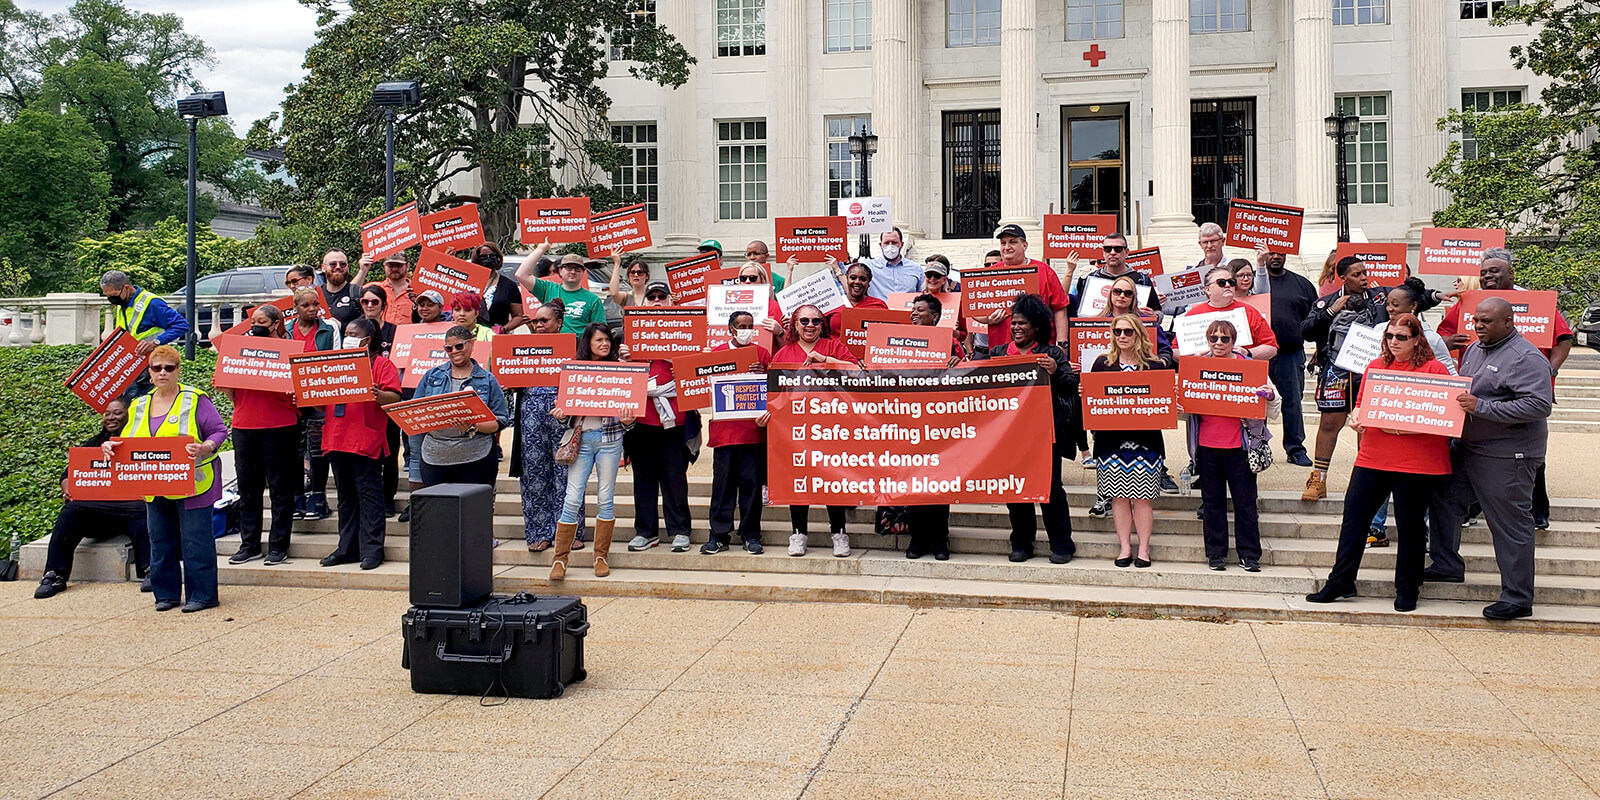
(1093,151)
(1222,155)
(971,174)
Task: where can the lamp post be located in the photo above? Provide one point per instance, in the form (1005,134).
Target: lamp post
(863,145)
(192,109)
(1341,128)
(389,96)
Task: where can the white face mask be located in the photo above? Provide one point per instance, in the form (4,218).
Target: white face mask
(891,252)
(354,343)
(744,336)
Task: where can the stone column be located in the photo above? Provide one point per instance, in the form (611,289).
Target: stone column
(680,174)
(1428,103)
(1172,214)
(788,124)
(896,84)
(1313,102)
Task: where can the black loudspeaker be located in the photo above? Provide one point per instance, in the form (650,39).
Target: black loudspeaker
(452,545)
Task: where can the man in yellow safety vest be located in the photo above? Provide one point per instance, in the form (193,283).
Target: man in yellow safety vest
(146,317)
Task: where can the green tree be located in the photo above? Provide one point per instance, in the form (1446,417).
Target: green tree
(1537,168)
(509,89)
(155,258)
(53,192)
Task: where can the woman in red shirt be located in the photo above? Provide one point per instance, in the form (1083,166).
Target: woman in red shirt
(856,280)
(266,443)
(1412,466)
(739,459)
(353,437)
(814,347)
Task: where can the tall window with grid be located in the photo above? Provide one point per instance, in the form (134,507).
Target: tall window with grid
(1483,100)
(643,13)
(849,25)
(742,169)
(741,27)
(1094,19)
(1219,16)
(843,168)
(1367,158)
(638,177)
(969,23)
(1360,12)
(1483,9)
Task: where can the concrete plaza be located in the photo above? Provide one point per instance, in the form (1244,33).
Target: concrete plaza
(296,692)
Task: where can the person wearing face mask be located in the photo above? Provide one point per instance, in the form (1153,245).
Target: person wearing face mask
(1354,303)
(857,282)
(467,453)
(542,479)
(146,317)
(266,449)
(95,519)
(658,448)
(892,273)
(340,293)
(355,443)
(317,334)
(503,300)
(396,284)
(739,459)
(752,272)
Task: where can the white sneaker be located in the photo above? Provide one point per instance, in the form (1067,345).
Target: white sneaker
(766,497)
(680,543)
(797,544)
(841,545)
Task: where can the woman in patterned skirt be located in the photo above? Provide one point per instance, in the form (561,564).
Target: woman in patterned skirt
(544,481)
(1130,462)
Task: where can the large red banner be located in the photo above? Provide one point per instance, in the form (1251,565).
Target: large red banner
(602,388)
(909,437)
(1456,251)
(1078,235)
(693,373)
(107,371)
(1534,313)
(1417,402)
(990,289)
(811,239)
(331,377)
(686,277)
(391,233)
(260,363)
(448,274)
(1130,401)
(620,230)
(1252,222)
(667,332)
(522,360)
(1386,261)
(556,219)
(140,467)
(453,228)
(1221,387)
(436,413)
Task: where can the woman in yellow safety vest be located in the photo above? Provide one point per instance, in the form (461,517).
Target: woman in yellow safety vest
(180,525)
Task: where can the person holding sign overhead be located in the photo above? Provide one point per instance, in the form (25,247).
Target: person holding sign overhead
(356,443)
(266,439)
(95,519)
(1113,267)
(814,347)
(583,307)
(1353,303)
(502,300)
(183,552)
(599,454)
(1130,463)
(469,452)
(1411,466)
(739,458)
(638,279)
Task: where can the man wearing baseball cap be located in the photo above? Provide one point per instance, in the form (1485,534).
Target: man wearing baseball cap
(396,284)
(583,306)
(1014,253)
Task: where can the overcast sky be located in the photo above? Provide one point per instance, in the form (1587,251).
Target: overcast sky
(258,45)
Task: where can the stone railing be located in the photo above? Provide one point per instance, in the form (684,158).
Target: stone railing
(86,318)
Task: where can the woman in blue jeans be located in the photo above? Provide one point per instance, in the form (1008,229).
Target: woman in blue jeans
(600,453)
(183,552)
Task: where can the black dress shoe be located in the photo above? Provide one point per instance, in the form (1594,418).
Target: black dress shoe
(405,515)
(941,552)
(914,552)
(1123,562)
(1329,593)
(1020,555)
(166,605)
(1060,558)
(1507,611)
(194,605)
(50,586)
(334,560)
(1140,563)
(1405,601)
(146,586)
(371,562)
(1439,577)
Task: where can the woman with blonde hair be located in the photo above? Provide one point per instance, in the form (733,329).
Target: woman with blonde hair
(1129,462)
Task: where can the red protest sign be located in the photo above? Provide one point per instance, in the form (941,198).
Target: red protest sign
(532,359)
(1534,312)
(1145,400)
(410,339)
(653,332)
(448,274)
(811,239)
(436,413)
(453,229)
(331,377)
(1252,222)
(107,371)
(912,346)
(429,353)
(1078,235)
(686,277)
(854,321)
(693,374)
(1221,387)
(392,232)
(1260,301)
(260,363)
(967,423)
(139,467)
(555,219)
(990,289)
(1386,261)
(949,305)
(620,230)
(1090,337)
(1147,260)
(602,388)
(1418,402)
(1456,251)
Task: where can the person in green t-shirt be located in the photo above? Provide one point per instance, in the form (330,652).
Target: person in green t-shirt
(583,306)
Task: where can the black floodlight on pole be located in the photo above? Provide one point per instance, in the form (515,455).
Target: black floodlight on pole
(192,109)
(389,96)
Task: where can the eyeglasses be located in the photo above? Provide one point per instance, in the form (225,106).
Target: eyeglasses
(809,322)
(1212,240)
(1219,339)
(565,267)
(1113,248)
(337,264)
(1397,337)
(1226,283)
(1122,292)
(372,302)
(932,275)
(749,278)
(163,367)
(1123,332)
(455,348)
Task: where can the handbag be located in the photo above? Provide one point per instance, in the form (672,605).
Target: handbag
(567,448)
(1259,457)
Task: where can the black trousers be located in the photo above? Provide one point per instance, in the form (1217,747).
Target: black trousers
(800,519)
(360,483)
(1224,470)
(316,479)
(391,465)
(267,459)
(79,520)
(1370,488)
(1541,495)
(738,471)
(660,469)
(480,471)
(1057,517)
(930,526)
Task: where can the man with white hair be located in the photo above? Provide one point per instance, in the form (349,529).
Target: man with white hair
(1210,245)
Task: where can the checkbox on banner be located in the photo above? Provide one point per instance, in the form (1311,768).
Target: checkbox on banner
(799,484)
(798,433)
(799,459)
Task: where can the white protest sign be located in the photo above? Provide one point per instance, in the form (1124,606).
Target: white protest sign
(1191,329)
(1096,290)
(724,299)
(1361,345)
(867,214)
(1181,289)
(817,289)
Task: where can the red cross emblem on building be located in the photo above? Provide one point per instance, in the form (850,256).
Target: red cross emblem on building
(1093,55)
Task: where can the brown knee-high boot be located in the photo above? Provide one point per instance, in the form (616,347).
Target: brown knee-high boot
(602,546)
(565,533)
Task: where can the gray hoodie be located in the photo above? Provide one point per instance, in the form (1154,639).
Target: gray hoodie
(1511,380)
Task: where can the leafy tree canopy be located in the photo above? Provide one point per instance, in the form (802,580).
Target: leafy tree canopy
(54,190)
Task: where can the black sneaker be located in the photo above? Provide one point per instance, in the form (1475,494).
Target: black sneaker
(1541,522)
(752,546)
(371,562)
(1218,564)
(1168,486)
(1020,555)
(166,605)
(712,547)
(275,557)
(299,506)
(146,586)
(49,586)
(914,552)
(317,507)
(195,605)
(1250,564)
(941,552)
(1101,507)
(1060,558)
(244,554)
(389,510)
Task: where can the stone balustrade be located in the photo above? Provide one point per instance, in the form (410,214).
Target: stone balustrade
(86,317)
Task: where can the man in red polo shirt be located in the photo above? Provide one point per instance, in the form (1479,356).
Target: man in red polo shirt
(1014,253)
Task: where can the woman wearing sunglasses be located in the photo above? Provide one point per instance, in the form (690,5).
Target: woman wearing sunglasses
(374,302)
(1129,463)
(374,306)
(468,452)
(317,334)
(357,447)
(266,443)
(754,272)
(1122,298)
(1220,447)
(600,454)
(638,274)
(1411,466)
(813,346)
(1330,320)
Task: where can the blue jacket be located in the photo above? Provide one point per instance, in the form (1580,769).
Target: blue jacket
(437,381)
(160,315)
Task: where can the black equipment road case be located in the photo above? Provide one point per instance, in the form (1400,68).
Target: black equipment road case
(519,646)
